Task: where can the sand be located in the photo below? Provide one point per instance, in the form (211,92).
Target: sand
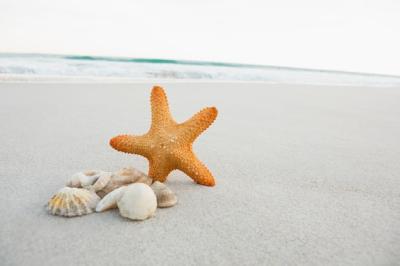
(306,175)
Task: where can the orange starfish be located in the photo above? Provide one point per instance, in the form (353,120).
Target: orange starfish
(168,145)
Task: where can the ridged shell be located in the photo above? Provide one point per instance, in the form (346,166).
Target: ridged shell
(123,177)
(71,202)
(165,196)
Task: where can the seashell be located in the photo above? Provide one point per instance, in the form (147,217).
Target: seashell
(85,179)
(101,182)
(138,202)
(165,196)
(123,177)
(72,202)
(110,200)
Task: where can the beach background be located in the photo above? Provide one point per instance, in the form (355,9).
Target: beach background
(305,149)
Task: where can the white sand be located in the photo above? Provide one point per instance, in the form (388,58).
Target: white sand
(306,175)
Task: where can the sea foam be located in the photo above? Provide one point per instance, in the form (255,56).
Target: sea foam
(34,65)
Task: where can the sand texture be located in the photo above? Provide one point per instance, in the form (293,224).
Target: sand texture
(305,175)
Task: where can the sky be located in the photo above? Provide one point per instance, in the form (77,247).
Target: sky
(351,35)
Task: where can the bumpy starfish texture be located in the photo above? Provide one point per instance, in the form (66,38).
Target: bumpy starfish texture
(168,145)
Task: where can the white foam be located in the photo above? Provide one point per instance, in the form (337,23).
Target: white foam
(60,68)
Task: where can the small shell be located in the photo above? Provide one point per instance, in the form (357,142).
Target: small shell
(138,202)
(124,177)
(165,196)
(72,202)
(110,200)
(101,182)
(84,179)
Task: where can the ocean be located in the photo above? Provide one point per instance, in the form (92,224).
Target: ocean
(76,67)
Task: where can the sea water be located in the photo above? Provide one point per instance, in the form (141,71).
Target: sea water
(33,65)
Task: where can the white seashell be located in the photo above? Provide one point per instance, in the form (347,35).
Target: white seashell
(85,179)
(165,197)
(138,202)
(77,179)
(101,182)
(123,177)
(110,200)
(72,202)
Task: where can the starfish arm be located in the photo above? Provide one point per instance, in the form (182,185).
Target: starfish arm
(193,127)
(160,114)
(130,144)
(194,168)
(159,171)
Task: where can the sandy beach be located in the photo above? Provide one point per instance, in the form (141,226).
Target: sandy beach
(305,175)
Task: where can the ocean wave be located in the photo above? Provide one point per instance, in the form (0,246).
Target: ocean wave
(142,68)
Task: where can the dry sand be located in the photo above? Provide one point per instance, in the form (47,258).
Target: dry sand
(306,175)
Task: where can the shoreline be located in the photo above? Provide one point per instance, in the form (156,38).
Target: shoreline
(37,79)
(110,58)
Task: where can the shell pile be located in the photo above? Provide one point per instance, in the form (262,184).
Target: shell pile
(71,202)
(123,177)
(128,189)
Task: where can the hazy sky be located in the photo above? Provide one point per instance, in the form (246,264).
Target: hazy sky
(351,35)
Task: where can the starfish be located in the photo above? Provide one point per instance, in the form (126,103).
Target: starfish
(168,144)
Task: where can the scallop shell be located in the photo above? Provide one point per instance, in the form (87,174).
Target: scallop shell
(72,202)
(110,200)
(138,202)
(165,196)
(86,178)
(123,177)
